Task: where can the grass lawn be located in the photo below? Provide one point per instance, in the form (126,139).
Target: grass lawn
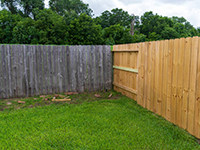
(87,122)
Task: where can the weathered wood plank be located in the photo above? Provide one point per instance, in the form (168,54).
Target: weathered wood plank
(96,68)
(1,73)
(35,66)
(25,70)
(101,87)
(80,69)
(73,68)
(31,71)
(63,68)
(93,74)
(9,62)
(3,80)
(49,72)
(53,58)
(84,59)
(69,85)
(45,70)
(60,73)
(6,51)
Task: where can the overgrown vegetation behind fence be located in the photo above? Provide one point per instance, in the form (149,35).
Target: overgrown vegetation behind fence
(167,81)
(33,70)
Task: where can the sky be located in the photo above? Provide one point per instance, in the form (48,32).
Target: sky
(188,9)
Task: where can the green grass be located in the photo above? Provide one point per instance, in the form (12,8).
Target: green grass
(90,123)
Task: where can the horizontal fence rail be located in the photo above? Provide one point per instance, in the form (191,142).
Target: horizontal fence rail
(27,70)
(168,79)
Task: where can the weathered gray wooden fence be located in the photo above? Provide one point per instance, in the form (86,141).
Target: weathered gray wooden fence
(27,70)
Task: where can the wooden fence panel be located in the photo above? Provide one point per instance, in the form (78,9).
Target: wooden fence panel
(125,69)
(165,79)
(27,70)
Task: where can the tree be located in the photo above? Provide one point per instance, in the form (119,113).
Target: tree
(28,6)
(69,6)
(8,22)
(84,31)
(51,27)
(116,16)
(170,33)
(183,27)
(25,32)
(22,7)
(138,37)
(117,34)
(11,5)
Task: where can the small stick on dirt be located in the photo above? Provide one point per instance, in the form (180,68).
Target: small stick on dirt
(110,95)
(42,96)
(8,103)
(71,93)
(62,96)
(21,102)
(61,100)
(97,95)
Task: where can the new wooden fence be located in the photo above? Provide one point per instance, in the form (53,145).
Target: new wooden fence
(164,77)
(34,70)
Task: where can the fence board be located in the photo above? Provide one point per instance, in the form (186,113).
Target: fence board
(180,81)
(165,63)
(197,100)
(192,86)
(152,84)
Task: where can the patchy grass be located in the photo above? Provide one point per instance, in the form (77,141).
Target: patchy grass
(30,102)
(87,122)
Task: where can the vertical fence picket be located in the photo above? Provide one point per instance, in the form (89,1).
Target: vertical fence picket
(197,98)
(192,86)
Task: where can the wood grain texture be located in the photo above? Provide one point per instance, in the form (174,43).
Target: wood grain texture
(28,70)
(168,79)
(192,86)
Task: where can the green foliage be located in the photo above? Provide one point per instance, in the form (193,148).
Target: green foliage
(51,27)
(25,32)
(83,31)
(8,22)
(22,7)
(117,123)
(116,34)
(11,5)
(116,16)
(29,6)
(153,36)
(138,37)
(157,27)
(169,33)
(71,22)
(70,6)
